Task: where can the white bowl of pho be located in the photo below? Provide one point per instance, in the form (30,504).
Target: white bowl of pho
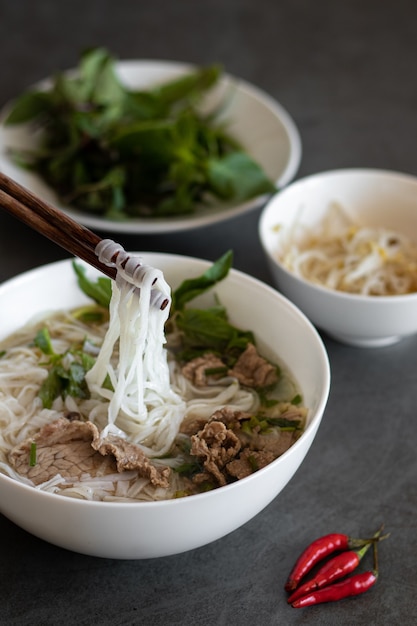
(342,245)
(132,431)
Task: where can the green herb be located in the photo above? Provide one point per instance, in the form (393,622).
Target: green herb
(90,314)
(2,353)
(253,463)
(297,399)
(284,423)
(263,423)
(268,402)
(62,381)
(51,388)
(188,469)
(119,152)
(32,456)
(99,290)
(205,329)
(193,287)
(43,341)
(208,328)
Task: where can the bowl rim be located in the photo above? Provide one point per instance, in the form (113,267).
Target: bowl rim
(313,421)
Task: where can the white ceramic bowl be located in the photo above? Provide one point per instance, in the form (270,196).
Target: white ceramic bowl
(261,124)
(370,197)
(146,530)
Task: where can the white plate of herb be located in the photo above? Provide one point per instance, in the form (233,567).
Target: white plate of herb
(144,146)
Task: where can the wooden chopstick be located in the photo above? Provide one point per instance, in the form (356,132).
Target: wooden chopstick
(58,227)
(51,222)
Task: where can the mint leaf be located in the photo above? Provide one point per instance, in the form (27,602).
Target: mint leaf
(237,176)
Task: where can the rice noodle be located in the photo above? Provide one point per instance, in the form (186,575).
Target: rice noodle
(342,255)
(143,401)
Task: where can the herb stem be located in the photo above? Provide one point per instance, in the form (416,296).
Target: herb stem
(32,458)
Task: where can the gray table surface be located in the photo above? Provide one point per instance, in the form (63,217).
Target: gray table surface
(346,73)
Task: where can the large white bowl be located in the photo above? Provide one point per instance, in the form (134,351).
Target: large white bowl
(261,124)
(376,198)
(145,530)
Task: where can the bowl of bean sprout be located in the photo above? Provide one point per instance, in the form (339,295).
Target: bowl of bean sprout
(342,245)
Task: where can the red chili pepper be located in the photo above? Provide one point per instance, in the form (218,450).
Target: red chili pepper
(317,551)
(352,586)
(339,566)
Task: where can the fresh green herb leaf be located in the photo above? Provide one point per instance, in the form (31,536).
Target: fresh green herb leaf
(90,314)
(87,361)
(188,469)
(51,388)
(62,380)
(28,107)
(77,386)
(284,423)
(188,87)
(262,423)
(66,382)
(99,290)
(204,330)
(237,176)
(193,287)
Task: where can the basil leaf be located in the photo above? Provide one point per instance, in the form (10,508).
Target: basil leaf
(205,329)
(193,287)
(100,290)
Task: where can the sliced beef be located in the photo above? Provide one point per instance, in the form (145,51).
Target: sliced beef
(192,426)
(276,442)
(228,453)
(249,461)
(229,416)
(129,456)
(196,369)
(72,448)
(62,447)
(215,445)
(252,370)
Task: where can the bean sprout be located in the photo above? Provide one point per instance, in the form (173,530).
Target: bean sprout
(343,255)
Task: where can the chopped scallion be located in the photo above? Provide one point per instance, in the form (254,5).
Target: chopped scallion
(32,458)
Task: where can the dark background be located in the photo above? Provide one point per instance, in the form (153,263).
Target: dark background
(346,72)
